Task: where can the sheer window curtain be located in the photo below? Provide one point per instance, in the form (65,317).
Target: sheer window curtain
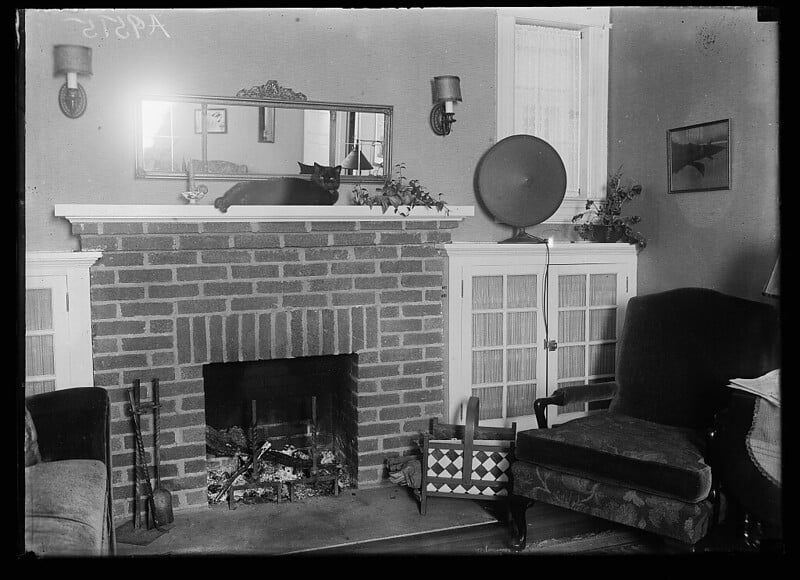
(39,342)
(547,91)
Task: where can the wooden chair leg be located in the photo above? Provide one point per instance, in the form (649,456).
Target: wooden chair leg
(519,506)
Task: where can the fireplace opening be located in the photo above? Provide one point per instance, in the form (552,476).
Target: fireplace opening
(279,429)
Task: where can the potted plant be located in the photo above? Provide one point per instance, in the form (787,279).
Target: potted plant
(602,221)
(399,192)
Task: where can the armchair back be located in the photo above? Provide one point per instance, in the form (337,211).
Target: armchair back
(72,423)
(679,348)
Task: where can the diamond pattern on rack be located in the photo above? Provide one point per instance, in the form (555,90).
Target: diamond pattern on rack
(490,466)
(445,462)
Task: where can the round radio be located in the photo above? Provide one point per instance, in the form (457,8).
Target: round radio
(521,181)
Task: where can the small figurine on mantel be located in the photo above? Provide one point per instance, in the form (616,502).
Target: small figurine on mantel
(193,193)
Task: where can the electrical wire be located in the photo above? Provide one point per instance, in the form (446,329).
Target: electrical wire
(545,289)
(545,307)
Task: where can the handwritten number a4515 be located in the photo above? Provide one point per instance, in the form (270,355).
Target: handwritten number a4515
(121,27)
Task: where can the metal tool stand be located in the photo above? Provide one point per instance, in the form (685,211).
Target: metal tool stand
(140,462)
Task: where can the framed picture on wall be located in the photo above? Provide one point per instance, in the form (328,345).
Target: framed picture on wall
(698,157)
(216,120)
(266,124)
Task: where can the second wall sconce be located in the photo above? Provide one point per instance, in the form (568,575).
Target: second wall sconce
(72,60)
(446,91)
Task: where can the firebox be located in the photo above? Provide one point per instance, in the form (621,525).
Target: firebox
(282,398)
(293,413)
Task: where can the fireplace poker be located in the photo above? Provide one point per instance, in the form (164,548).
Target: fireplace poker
(148,488)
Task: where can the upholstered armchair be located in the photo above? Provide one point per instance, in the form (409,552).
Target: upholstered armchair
(68,486)
(646,461)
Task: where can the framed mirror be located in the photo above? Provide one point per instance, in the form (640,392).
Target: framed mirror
(264,132)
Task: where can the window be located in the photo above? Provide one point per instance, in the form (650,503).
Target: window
(553,83)
(58,342)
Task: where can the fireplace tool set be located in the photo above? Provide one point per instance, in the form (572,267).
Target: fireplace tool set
(158,501)
(261,451)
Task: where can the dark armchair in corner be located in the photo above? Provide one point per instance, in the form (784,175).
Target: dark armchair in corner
(68,497)
(646,461)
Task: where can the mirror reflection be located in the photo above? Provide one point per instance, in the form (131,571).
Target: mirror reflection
(237,138)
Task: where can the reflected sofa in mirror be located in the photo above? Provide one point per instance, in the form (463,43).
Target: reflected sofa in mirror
(247,138)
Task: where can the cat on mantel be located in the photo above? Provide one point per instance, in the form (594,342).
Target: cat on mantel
(321,189)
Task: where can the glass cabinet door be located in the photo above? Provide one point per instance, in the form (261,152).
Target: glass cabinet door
(501,343)
(46,355)
(585,323)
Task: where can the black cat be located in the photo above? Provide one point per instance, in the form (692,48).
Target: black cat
(322,189)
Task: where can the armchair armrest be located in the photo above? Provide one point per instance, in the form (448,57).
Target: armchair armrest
(575,394)
(72,423)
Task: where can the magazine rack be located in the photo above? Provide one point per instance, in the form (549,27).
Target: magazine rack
(489,452)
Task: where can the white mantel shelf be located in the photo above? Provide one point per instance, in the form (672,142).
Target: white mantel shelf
(83,213)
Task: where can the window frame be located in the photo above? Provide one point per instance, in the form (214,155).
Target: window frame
(594,24)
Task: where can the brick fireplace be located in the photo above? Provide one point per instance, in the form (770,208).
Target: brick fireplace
(180,287)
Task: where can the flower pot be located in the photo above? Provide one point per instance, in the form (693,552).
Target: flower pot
(601,233)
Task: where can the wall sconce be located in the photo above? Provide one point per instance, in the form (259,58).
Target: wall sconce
(446,91)
(72,60)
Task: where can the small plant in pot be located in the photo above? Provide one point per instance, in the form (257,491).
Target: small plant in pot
(602,221)
(400,193)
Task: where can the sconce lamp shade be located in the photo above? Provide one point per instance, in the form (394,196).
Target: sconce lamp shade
(446,88)
(71,58)
(446,91)
(356,160)
(773,287)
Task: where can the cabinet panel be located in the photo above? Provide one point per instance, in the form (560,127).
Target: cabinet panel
(46,334)
(491,402)
(519,326)
(499,333)
(588,312)
(58,339)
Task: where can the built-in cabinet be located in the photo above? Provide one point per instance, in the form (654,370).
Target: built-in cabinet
(58,340)
(525,319)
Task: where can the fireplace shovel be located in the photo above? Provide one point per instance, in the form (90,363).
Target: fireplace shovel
(162,498)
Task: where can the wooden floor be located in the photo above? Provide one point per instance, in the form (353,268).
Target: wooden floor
(346,526)
(550,530)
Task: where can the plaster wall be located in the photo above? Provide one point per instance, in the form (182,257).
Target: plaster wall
(360,56)
(669,67)
(675,67)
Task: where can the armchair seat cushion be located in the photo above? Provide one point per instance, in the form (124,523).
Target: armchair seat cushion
(682,521)
(65,507)
(622,450)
